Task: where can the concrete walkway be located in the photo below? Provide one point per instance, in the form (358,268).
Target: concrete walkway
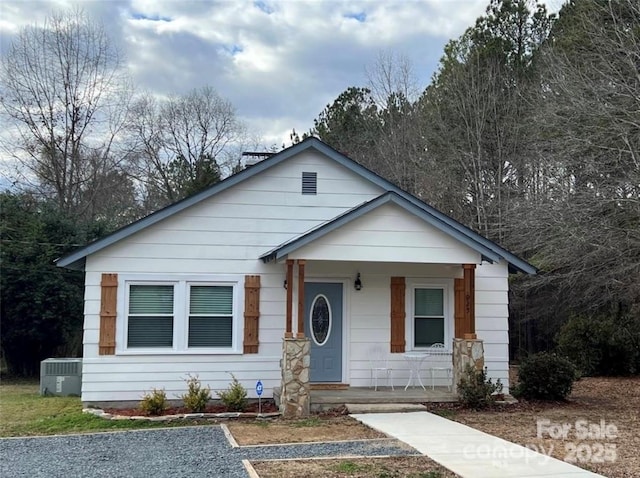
(469,453)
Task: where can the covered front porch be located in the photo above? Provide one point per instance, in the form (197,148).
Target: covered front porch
(376,317)
(383,281)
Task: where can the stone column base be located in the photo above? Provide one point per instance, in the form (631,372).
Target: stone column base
(466,352)
(296,358)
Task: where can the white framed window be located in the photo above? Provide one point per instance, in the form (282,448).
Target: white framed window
(430,313)
(190,314)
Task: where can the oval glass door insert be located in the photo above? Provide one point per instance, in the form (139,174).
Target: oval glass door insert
(320,319)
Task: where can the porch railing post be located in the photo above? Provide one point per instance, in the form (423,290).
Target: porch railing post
(470,300)
(289,320)
(301,264)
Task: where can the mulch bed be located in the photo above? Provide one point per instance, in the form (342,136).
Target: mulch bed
(268,406)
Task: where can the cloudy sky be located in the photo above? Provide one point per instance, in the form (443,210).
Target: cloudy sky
(279,62)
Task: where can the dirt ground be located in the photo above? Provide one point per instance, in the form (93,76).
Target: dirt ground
(596,429)
(316,428)
(387,467)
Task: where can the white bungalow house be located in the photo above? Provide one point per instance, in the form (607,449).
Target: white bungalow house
(213,283)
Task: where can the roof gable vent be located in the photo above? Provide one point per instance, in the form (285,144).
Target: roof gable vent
(309,183)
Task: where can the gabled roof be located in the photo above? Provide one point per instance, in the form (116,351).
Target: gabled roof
(386,198)
(76,259)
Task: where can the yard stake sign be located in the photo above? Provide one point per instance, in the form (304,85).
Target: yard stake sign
(259,389)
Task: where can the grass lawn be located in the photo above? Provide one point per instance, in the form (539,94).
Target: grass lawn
(23,412)
(387,467)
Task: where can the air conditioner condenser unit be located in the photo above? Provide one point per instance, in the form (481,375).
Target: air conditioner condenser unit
(61,376)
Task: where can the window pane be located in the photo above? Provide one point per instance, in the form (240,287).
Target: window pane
(320,319)
(214,300)
(150,332)
(151,299)
(429,302)
(429,332)
(210,331)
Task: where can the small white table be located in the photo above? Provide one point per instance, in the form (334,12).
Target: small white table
(415,360)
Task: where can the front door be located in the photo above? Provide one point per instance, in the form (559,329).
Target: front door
(323,309)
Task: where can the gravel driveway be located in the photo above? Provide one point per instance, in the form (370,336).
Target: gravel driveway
(174,452)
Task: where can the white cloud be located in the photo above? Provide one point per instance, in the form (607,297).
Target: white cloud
(278,62)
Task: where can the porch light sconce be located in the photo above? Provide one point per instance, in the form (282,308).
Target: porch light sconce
(357,285)
(285,284)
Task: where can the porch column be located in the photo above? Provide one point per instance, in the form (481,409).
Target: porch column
(289,327)
(469,279)
(301,264)
(296,353)
(295,391)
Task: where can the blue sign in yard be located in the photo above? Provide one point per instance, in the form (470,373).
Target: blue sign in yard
(259,388)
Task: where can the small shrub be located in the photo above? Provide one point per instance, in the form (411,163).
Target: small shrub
(348,467)
(308,422)
(154,402)
(476,390)
(197,396)
(602,345)
(234,397)
(444,413)
(546,376)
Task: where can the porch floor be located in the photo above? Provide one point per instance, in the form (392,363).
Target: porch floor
(328,399)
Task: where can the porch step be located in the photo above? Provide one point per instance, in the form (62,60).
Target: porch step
(323,400)
(384,407)
(276,396)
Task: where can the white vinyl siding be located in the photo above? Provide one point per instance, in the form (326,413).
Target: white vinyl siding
(224,236)
(388,234)
(220,239)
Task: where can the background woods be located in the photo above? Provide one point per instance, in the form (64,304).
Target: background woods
(529,133)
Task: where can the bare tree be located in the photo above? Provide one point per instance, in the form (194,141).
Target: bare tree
(391,74)
(399,143)
(587,232)
(66,98)
(185,142)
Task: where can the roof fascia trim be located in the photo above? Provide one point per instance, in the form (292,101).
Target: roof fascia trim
(511,258)
(76,260)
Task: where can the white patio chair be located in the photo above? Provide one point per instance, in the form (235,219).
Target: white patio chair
(439,360)
(379,362)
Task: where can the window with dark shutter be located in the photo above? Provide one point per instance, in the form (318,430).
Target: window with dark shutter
(309,183)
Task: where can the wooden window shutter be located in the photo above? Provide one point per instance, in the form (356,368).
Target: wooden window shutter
(108,304)
(251,313)
(461,325)
(398,314)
